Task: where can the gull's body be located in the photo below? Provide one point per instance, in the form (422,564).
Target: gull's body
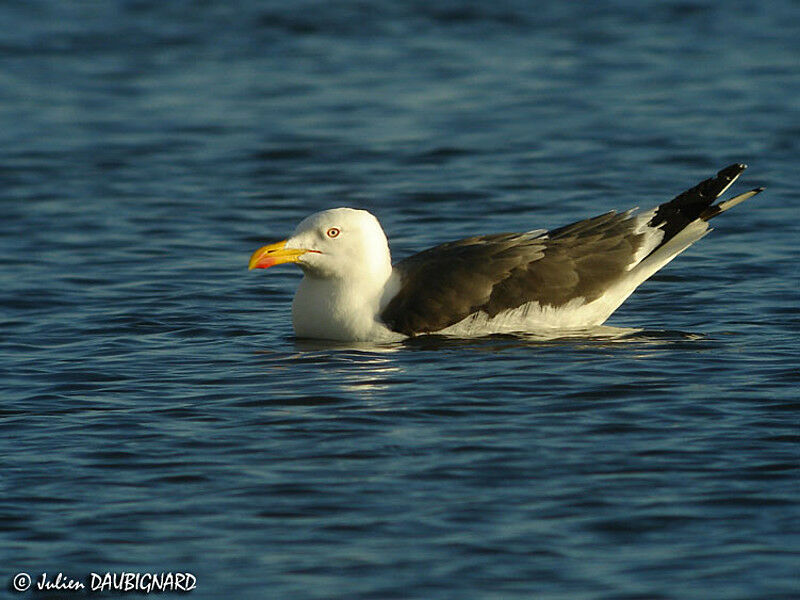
(569,278)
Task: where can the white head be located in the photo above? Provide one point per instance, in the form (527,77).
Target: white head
(340,243)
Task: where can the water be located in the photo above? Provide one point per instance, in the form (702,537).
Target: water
(157,413)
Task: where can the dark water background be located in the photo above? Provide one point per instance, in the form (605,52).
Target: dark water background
(157,413)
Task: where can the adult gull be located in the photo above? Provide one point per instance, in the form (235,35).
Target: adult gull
(571,278)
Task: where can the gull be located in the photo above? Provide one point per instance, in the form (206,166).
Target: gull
(542,282)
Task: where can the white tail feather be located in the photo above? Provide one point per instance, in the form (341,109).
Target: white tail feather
(728,204)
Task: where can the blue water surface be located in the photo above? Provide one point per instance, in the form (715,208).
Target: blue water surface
(158,415)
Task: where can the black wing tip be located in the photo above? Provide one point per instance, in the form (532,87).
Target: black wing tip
(730,172)
(738,167)
(696,202)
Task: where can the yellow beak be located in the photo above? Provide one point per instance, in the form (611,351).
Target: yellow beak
(274,254)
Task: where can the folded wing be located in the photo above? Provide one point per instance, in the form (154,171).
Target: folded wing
(576,263)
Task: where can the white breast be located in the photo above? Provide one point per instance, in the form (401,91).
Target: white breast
(340,310)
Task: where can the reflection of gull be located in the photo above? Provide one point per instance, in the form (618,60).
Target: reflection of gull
(566,279)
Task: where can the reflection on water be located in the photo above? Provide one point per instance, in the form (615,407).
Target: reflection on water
(351,367)
(602,333)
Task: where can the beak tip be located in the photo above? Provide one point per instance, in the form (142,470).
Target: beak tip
(274,254)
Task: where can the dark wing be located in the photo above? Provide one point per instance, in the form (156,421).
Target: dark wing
(445,284)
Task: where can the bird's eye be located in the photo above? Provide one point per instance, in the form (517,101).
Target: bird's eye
(333,232)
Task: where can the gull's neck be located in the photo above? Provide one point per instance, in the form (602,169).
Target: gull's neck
(347,307)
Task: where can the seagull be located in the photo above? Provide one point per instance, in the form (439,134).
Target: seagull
(567,279)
